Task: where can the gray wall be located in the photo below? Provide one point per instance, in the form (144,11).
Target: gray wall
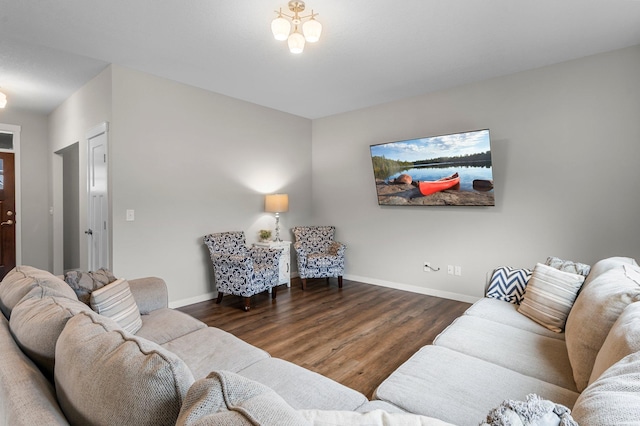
(34,185)
(566,156)
(191,162)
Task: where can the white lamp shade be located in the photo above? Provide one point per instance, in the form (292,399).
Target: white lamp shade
(312,30)
(280,28)
(296,43)
(276,203)
(3,100)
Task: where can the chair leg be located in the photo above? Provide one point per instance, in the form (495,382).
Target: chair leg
(247,303)
(219,299)
(304,283)
(274,290)
(340,281)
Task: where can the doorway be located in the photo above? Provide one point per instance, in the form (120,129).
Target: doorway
(10,235)
(71,206)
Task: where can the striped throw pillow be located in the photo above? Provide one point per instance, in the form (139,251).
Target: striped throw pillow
(550,296)
(116,302)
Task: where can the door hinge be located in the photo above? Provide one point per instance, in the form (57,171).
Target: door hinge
(105,157)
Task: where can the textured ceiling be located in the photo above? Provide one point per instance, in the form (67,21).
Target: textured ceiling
(371,51)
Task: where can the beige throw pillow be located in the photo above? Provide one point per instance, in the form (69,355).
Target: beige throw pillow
(549,296)
(116,302)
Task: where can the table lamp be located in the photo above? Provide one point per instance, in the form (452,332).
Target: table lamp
(276,203)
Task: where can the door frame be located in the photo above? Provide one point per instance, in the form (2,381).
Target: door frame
(102,128)
(15,130)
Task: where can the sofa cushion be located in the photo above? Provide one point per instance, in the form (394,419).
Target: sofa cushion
(115,301)
(301,388)
(507,314)
(371,418)
(508,284)
(550,296)
(225,398)
(622,340)
(105,375)
(460,389)
(26,396)
(36,323)
(614,398)
(22,279)
(568,266)
(531,354)
(601,301)
(165,324)
(210,348)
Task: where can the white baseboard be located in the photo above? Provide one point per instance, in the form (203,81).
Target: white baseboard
(192,300)
(414,289)
(366,280)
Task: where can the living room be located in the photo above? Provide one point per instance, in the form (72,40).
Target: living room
(561,135)
(190,161)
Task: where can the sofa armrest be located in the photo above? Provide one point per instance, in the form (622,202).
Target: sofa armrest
(150,293)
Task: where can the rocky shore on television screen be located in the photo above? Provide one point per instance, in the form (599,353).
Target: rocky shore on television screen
(400,194)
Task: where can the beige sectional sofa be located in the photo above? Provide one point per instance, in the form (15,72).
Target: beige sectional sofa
(63,363)
(495,353)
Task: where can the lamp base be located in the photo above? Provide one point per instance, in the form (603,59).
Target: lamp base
(277,239)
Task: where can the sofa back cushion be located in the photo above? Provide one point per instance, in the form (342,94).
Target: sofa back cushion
(105,375)
(36,323)
(601,301)
(22,279)
(614,398)
(622,340)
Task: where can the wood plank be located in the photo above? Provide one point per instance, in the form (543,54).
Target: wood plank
(357,335)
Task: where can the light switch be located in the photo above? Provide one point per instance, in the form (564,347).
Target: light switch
(131,215)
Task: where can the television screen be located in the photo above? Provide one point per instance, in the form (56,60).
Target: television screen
(447,170)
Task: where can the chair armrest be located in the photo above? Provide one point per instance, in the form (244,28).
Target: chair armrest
(337,248)
(265,254)
(149,293)
(232,260)
(301,254)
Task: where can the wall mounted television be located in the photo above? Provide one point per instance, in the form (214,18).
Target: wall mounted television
(445,170)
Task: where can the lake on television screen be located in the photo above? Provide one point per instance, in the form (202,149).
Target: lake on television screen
(467,174)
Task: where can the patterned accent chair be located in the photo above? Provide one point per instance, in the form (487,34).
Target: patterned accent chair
(241,270)
(319,256)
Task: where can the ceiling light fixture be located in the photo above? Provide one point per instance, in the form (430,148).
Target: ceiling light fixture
(3,100)
(281,27)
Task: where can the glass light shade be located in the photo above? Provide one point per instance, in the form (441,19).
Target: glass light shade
(280,27)
(3,100)
(276,203)
(312,30)
(296,42)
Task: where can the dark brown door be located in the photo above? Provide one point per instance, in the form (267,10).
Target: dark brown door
(7,213)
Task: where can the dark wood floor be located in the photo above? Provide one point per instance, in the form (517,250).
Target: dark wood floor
(356,335)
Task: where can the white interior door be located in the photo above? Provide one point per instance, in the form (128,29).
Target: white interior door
(98,217)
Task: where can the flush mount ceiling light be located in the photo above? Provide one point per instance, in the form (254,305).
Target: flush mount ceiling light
(3,100)
(311,29)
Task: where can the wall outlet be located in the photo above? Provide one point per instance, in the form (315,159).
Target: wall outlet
(426,267)
(450,269)
(131,215)
(458,270)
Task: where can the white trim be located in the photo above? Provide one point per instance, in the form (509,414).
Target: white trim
(18,179)
(190,301)
(414,289)
(102,128)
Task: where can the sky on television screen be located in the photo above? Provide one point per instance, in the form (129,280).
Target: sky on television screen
(433,147)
